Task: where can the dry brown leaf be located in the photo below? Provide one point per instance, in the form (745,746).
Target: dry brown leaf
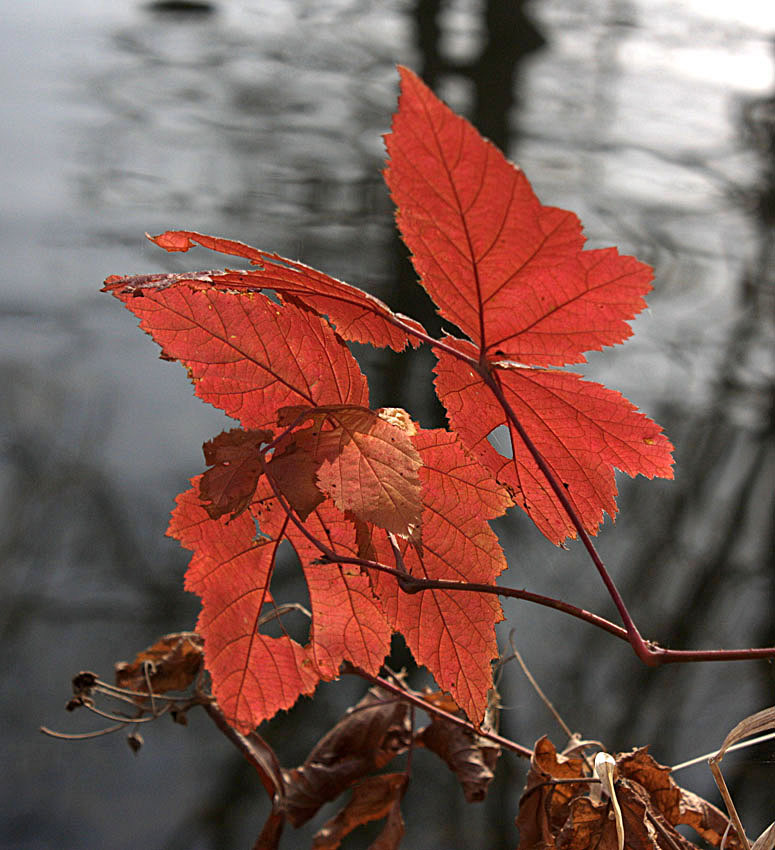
(545,806)
(392,832)
(705,819)
(766,841)
(364,740)
(374,798)
(469,756)
(171,664)
(752,725)
(563,816)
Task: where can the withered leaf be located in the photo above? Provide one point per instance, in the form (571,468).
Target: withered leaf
(392,831)
(751,725)
(469,756)
(676,804)
(171,664)
(705,819)
(369,735)
(373,798)
(562,816)
(544,806)
(235,461)
(766,841)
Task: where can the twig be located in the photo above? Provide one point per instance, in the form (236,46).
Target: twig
(546,701)
(410,584)
(127,720)
(727,797)
(742,745)
(648,652)
(419,702)
(83,736)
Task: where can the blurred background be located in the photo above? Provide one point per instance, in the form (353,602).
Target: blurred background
(653,120)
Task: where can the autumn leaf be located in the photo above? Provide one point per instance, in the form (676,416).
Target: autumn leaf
(373,798)
(374,473)
(469,756)
(234,456)
(545,806)
(254,675)
(582,429)
(450,632)
(357,316)
(315,467)
(366,464)
(246,354)
(513,276)
(347,619)
(556,813)
(171,664)
(508,271)
(294,467)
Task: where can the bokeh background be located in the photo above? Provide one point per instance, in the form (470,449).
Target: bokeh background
(654,120)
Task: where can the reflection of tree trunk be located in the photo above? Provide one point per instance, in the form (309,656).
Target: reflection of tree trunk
(511,38)
(428,32)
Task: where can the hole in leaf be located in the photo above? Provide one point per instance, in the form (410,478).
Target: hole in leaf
(500,440)
(288,586)
(259,536)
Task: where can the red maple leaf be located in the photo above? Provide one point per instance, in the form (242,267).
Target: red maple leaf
(232,572)
(512,275)
(254,674)
(451,633)
(357,316)
(367,465)
(245,353)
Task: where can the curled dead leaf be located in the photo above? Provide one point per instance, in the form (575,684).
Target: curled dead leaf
(469,756)
(171,664)
(373,798)
(369,735)
(557,813)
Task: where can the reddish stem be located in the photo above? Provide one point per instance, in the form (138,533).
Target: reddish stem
(410,584)
(658,655)
(642,649)
(419,702)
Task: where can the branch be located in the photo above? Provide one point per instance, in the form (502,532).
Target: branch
(655,654)
(411,584)
(254,750)
(647,651)
(658,655)
(413,699)
(642,649)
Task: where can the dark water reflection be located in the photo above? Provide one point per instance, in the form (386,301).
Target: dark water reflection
(262,121)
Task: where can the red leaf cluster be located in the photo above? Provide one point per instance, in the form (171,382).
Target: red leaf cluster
(365,497)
